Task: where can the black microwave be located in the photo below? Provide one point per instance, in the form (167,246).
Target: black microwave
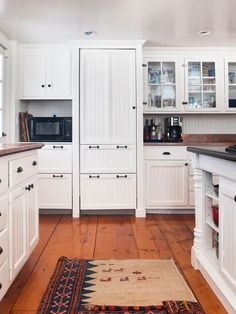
(50,129)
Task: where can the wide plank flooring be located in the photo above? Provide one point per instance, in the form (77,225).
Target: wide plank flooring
(106,237)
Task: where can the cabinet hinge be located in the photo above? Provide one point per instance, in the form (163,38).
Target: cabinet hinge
(144,65)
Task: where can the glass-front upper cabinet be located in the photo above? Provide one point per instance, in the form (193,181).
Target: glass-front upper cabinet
(230,86)
(201,86)
(161,85)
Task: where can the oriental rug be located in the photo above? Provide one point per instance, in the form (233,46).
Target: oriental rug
(117,286)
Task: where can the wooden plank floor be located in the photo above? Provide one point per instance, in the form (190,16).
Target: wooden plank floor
(105,237)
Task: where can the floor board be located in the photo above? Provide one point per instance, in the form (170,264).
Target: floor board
(107,237)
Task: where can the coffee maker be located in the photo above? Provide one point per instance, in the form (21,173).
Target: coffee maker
(173,129)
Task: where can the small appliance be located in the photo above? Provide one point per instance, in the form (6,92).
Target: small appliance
(173,129)
(50,129)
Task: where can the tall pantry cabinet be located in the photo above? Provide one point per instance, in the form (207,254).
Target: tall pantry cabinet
(107,129)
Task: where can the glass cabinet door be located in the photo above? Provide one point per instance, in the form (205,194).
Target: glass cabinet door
(231,85)
(161,86)
(201,85)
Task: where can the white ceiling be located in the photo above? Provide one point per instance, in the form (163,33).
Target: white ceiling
(161,22)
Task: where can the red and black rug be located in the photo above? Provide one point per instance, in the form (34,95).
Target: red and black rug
(77,286)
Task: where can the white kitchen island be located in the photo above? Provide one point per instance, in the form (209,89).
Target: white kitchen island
(214,248)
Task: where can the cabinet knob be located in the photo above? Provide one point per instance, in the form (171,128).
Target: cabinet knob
(4,134)
(28,187)
(31,186)
(186,164)
(144,103)
(0,180)
(235,198)
(133,107)
(20,169)
(34,163)
(1,250)
(49,85)
(0,286)
(0,214)
(42,85)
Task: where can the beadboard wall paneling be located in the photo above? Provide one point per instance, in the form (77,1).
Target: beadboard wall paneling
(202,123)
(48,108)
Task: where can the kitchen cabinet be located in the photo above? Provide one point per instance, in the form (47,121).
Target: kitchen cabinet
(107,97)
(230,84)
(55,176)
(45,74)
(162,85)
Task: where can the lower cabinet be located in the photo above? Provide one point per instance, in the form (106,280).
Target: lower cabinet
(166,183)
(108,191)
(55,191)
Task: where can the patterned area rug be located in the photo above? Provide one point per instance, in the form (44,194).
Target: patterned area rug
(117,286)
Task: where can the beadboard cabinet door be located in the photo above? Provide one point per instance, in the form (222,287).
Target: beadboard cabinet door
(107,97)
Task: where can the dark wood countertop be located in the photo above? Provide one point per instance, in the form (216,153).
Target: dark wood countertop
(12,148)
(218,152)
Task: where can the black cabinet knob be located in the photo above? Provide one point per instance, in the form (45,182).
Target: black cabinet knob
(1,250)
(0,180)
(20,169)
(49,85)
(28,187)
(133,107)
(235,198)
(0,286)
(0,214)
(42,85)
(34,163)
(186,164)
(31,186)
(4,134)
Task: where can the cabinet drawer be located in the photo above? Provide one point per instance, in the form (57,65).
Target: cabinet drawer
(22,168)
(166,152)
(108,191)
(3,211)
(4,279)
(55,191)
(108,158)
(4,235)
(3,177)
(55,158)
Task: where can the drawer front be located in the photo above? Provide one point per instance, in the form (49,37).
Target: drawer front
(3,177)
(4,279)
(108,158)
(22,168)
(4,246)
(166,152)
(3,211)
(55,191)
(55,158)
(108,191)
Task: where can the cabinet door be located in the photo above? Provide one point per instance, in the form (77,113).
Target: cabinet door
(166,183)
(18,230)
(107,96)
(230,84)
(32,74)
(33,214)
(203,85)
(58,74)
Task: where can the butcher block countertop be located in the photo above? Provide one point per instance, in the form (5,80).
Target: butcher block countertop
(12,148)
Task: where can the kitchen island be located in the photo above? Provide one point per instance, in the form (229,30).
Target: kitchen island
(214,248)
(18,208)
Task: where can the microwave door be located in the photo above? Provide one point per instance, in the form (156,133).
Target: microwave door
(49,130)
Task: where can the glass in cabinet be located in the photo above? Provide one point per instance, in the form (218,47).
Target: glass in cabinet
(200,85)
(231,85)
(160,86)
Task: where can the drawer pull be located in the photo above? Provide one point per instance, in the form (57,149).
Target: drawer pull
(166,153)
(57,176)
(97,146)
(97,177)
(34,163)
(0,214)
(124,176)
(0,286)
(20,169)
(28,187)
(56,146)
(0,180)
(1,250)
(121,146)
(184,102)
(31,186)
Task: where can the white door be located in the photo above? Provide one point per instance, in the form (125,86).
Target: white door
(33,214)
(166,183)
(107,96)
(58,74)
(18,230)
(33,84)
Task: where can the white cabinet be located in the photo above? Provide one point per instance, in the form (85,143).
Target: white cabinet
(55,176)
(107,97)
(108,191)
(45,74)
(230,84)
(33,214)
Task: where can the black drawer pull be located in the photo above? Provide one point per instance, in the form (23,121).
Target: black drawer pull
(34,163)
(31,186)
(56,146)
(97,177)
(28,187)
(97,146)
(184,102)
(118,176)
(166,153)
(0,286)
(1,250)
(57,176)
(20,169)
(121,146)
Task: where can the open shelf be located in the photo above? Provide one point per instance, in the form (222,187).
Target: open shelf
(211,224)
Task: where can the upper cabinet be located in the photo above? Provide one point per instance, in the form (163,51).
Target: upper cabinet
(230,84)
(107,96)
(162,85)
(45,74)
